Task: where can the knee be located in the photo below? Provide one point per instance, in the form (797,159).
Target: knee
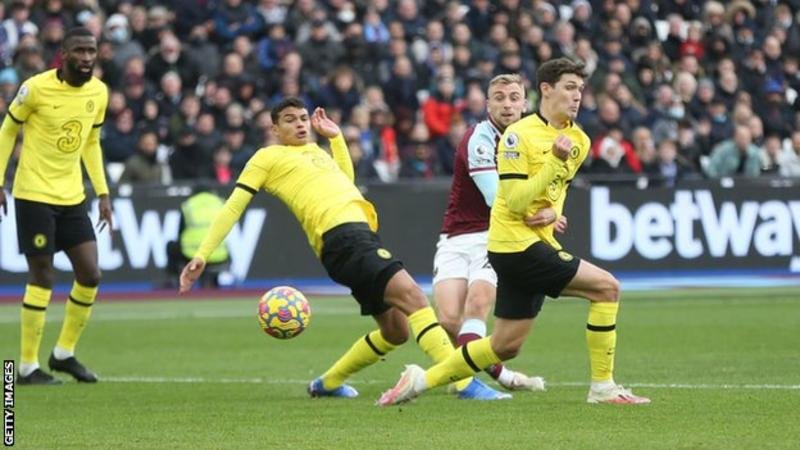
(611,289)
(414,297)
(90,278)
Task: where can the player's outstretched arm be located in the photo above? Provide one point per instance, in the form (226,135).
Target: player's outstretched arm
(191,272)
(326,127)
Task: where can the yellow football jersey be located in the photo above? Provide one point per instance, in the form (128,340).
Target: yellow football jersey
(60,127)
(524,151)
(308,180)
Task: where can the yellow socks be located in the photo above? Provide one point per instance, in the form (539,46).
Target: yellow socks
(34,308)
(465,361)
(364,352)
(432,338)
(76,314)
(601,338)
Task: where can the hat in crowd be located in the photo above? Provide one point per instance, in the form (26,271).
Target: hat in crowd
(158,12)
(116,20)
(545,6)
(705,82)
(773,86)
(9,76)
(316,23)
(641,22)
(576,3)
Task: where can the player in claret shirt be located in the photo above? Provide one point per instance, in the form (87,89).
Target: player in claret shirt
(464,282)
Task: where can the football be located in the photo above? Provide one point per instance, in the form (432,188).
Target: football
(283,312)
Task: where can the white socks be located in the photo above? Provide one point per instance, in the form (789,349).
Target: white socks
(61,353)
(473,326)
(25,369)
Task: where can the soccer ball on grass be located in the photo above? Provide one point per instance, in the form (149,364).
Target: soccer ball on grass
(283,312)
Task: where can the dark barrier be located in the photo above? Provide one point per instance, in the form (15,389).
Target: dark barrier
(699,227)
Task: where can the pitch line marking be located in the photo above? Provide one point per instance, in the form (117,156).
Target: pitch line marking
(257,380)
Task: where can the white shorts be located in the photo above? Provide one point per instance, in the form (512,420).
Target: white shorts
(464,257)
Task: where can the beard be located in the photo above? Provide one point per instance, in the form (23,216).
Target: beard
(78,75)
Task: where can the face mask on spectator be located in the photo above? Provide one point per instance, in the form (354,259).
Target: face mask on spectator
(677,112)
(118,35)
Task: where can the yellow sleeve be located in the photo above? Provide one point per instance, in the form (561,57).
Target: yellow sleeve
(24,103)
(517,187)
(8,138)
(247,186)
(342,156)
(93,161)
(223,222)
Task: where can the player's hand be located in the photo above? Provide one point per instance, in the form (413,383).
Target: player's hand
(105,214)
(560,225)
(3,210)
(561,147)
(191,273)
(543,217)
(323,125)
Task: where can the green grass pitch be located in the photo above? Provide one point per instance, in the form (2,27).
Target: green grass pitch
(721,366)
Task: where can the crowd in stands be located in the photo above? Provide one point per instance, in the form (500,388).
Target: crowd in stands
(677,88)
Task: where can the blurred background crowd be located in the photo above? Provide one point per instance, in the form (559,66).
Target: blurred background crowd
(677,89)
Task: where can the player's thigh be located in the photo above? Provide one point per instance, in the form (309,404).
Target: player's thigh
(593,283)
(451,260)
(449,296)
(480,269)
(84,263)
(36,227)
(74,228)
(480,298)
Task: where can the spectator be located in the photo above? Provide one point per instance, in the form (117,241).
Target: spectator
(668,169)
(117,32)
(144,165)
(320,48)
(234,18)
(170,57)
(189,161)
(118,138)
(790,157)
(440,108)
(18,25)
(612,153)
(341,91)
(735,157)
(273,47)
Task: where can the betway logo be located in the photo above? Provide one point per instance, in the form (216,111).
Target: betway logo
(655,230)
(141,240)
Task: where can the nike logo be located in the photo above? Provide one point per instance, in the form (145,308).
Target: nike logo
(57,106)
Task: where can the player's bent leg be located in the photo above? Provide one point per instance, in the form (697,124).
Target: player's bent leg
(77,311)
(405,295)
(593,283)
(602,289)
(449,296)
(367,350)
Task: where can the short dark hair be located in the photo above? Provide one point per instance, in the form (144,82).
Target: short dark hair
(551,71)
(76,32)
(288,102)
